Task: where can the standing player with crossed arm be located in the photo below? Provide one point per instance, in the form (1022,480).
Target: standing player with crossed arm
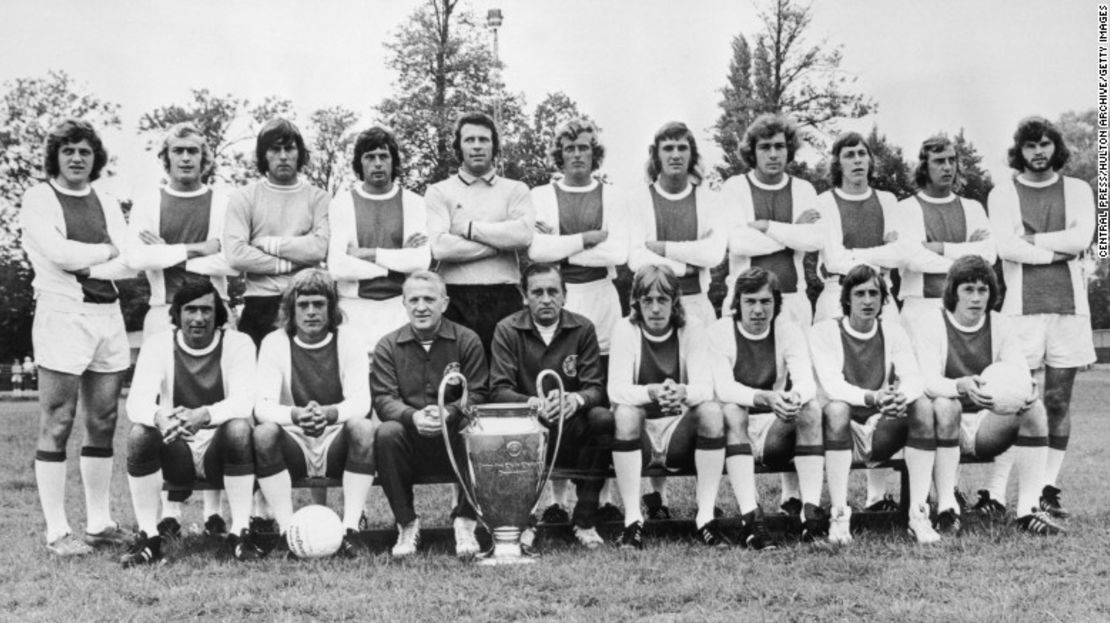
(73,234)
(581,224)
(173,237)
(275,226)
(1042,222)
(378,236)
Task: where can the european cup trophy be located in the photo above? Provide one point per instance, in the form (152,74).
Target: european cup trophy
(507,450)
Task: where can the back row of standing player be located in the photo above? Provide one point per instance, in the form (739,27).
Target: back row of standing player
(471,226)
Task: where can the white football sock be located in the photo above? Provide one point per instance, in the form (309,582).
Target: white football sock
(919,464)
(559,491)
(171,508)
(259,506)
(838,464)
(811,474)
(944,474)
(50,478)
(709,464)
(212,500)
(791,485)
(356,490)
(240,494)
(1000,475)
(144,499)
(627,466)
(1052,464)
(741,475)
(1030,462)
(96,476)
(876,484)
(278,491)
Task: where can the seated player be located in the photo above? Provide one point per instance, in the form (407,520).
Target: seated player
(763,378)
(871,389)
(313,404)
(661,388)
(409,364)
(954,346)
(544,336)
(190,401)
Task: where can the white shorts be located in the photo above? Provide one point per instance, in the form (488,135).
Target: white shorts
(699,311)
(916,311)
(70,341)
(598,301)
(202,440)
(969,430)
(372,319)
(157,320)
(659,432)
(862,435)
(759,424)
(1057,340)
(828,304)
(315,448)
(795,307)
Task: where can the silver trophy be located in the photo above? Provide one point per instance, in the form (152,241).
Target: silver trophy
(507,449)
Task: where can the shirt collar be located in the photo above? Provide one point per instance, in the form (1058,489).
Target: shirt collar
(446,331)
(523,320)
(466,178)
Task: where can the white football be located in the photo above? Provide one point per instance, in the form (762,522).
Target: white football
(314,532)
(1008,384)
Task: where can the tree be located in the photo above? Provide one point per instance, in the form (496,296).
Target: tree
(785,74)
(1079,131)
(229,124)
(29,109)
(332,147)
(525,158)
(975,181)
(739,108)
(444,68)
(889,170)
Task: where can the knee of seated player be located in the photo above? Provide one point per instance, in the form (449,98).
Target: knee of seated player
(1033,421)
(921,421)
(947,413)
(628,422)
(144,444)
(266,438)
(238,445)
(600,422)
(361,432)
(711,420)
(808,424)
(387,436)
(836,415)
(736,423)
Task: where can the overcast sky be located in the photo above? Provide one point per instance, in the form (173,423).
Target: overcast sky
(630,64)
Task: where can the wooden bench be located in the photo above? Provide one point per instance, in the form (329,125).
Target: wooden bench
(776,522)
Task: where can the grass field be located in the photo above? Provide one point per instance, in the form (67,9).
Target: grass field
(991,572)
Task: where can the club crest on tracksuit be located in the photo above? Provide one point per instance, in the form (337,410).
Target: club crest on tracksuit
(570,366)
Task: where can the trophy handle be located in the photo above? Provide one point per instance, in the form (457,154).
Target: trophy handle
(559,437)
(470,496)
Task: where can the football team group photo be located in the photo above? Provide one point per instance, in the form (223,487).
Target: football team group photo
(783,357)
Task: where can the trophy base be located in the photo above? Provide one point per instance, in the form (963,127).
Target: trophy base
(506,549)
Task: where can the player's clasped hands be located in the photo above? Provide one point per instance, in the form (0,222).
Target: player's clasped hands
(785,405)
(311,418)
(180,423)
(891,402)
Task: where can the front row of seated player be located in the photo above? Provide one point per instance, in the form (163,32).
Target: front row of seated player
(752,388)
